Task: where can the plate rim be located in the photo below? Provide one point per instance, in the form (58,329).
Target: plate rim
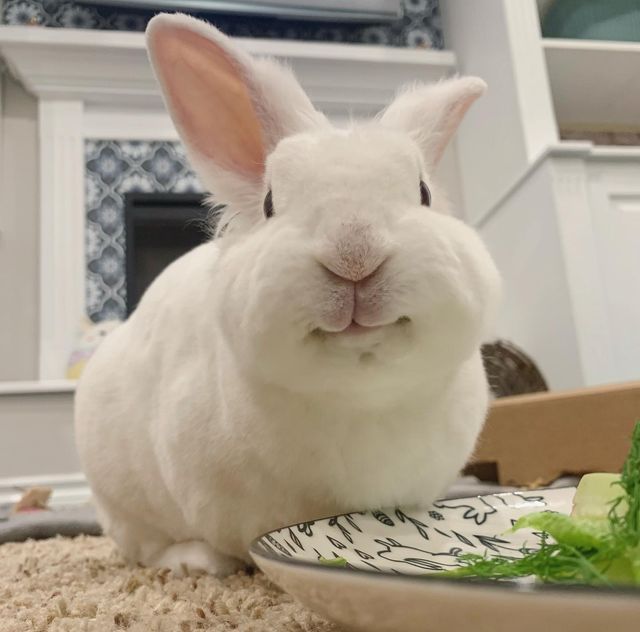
(505,586)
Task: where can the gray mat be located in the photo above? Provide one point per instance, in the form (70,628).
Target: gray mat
(38,525)
(81,519)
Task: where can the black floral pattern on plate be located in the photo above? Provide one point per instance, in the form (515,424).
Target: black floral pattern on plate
(403,540)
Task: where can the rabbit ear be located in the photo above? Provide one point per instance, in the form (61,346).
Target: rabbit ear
(432,113)
(230,109)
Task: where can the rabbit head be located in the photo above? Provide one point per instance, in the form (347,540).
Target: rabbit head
(340,268)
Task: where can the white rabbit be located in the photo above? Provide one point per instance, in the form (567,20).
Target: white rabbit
(322,355)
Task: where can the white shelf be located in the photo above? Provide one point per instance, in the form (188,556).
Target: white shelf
(37,387)
(103,67)
(616,152)
(593,82)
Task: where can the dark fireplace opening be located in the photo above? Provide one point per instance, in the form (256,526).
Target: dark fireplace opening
(159,228)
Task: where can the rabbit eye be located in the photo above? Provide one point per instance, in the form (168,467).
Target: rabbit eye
(425,194)
(268,205)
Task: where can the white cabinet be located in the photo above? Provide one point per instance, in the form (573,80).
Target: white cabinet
(562,219)
(594,82)
(567,239)
(614,202)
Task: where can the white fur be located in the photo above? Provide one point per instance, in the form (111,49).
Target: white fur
(229,403)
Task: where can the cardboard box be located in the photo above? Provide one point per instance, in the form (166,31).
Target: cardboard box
(535,439)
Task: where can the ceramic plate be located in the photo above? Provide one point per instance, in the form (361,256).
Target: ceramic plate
(391,581)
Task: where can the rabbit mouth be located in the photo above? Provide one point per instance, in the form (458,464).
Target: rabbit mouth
(356,330)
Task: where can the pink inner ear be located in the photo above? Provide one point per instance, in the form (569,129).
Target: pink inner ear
(210,100)
(451,119)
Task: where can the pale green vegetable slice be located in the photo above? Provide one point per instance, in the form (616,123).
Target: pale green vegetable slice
(595,495)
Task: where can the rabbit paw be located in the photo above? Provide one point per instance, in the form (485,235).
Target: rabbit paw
(195,555)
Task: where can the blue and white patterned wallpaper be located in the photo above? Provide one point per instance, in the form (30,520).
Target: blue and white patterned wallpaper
(114,168)
(420,25)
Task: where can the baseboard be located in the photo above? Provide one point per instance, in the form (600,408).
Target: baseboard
(68,489)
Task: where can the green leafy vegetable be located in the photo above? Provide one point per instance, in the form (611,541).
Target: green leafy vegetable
(582,533)
(340,562)
(598,544)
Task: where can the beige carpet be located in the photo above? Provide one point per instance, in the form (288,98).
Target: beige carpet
(82,584)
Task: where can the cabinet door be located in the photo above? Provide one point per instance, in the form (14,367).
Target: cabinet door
(614,190)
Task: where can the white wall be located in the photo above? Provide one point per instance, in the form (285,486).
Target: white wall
(448,175)
(19,226)
(514,122)
(36,435)
(537,315)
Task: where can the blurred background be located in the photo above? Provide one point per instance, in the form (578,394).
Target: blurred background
(96,195)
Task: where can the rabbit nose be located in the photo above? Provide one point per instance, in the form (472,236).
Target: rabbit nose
(354,260)
(354,251)
(354,271)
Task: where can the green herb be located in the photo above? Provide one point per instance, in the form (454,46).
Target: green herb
(340,562)
(598,544)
